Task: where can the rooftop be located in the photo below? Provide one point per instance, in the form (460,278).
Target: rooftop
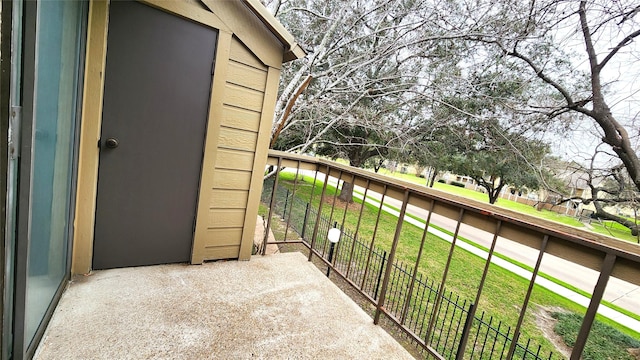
(274,306)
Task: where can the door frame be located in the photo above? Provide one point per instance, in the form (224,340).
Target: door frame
(10,22)
(90,133)
(111,247)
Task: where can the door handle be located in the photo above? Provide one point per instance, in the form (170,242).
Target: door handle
(112,143)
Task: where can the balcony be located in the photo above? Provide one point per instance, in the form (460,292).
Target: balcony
(428,267)
(277,306)
(458,278)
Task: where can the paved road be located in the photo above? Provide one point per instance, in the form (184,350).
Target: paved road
(618,292)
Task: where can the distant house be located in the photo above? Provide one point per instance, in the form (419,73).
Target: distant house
(137,135)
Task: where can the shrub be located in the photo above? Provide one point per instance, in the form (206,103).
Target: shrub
(604,342)
(458,184)
(442,181)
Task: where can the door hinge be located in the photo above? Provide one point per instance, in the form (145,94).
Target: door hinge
(193,229)
(14,132)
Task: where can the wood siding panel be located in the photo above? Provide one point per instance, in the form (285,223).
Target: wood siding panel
(225,218)
(262,147)
(197,4)
(237,139)
(228,199)
(247,76)
(250,30)
(223,237)
(234,160)
(242,55)
(242,119)
(190,11)
(231,179)
(207,181)
(221,252)
(242,97)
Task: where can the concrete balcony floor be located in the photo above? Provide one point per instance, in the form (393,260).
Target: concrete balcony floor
(273,307)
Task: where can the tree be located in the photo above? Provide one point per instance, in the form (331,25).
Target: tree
(431,147)
(354,96)
(357,144)
(541,38)
(485,153)
(609,187)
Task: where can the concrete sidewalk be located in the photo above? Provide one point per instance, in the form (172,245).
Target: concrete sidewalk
(272,307)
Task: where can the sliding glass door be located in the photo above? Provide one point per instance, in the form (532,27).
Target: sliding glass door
(54,32)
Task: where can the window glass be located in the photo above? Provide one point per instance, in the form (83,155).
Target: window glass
(57,59)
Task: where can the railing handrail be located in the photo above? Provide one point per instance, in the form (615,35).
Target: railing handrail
(583,248)
(431,324)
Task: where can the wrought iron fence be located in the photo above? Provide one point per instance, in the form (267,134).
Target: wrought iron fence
(363,266)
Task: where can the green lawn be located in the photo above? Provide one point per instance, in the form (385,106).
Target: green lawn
(524,266)
(501,286)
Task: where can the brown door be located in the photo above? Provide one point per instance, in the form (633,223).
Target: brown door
(157,85)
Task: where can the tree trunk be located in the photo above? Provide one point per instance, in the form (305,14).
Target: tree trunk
(493,196)
(602,214)
(494,192)
(432,176)
(346,194)
(378,165)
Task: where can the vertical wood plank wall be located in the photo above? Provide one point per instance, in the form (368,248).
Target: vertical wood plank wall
(223,221)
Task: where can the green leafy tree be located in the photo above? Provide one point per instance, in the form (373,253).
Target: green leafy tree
(495,157)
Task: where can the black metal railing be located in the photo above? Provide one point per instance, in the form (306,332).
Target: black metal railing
(442,323)
(491,338)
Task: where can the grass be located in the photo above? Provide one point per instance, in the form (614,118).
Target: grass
(501,286)
(604,342)
(614,229)
(526,267)
(608,228)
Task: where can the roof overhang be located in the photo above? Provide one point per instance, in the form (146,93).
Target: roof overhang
(292,50)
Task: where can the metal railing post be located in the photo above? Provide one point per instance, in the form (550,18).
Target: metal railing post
(373,238)
(355,235)
(313,190)
(440,295)
(315,228)
(392,254)
(466,330)
(516,334)
(331,249)
(271,207)
(284,212)
(407,302)
(598,291)
(384,259)
(304,221)
(293,194)
(472,312)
